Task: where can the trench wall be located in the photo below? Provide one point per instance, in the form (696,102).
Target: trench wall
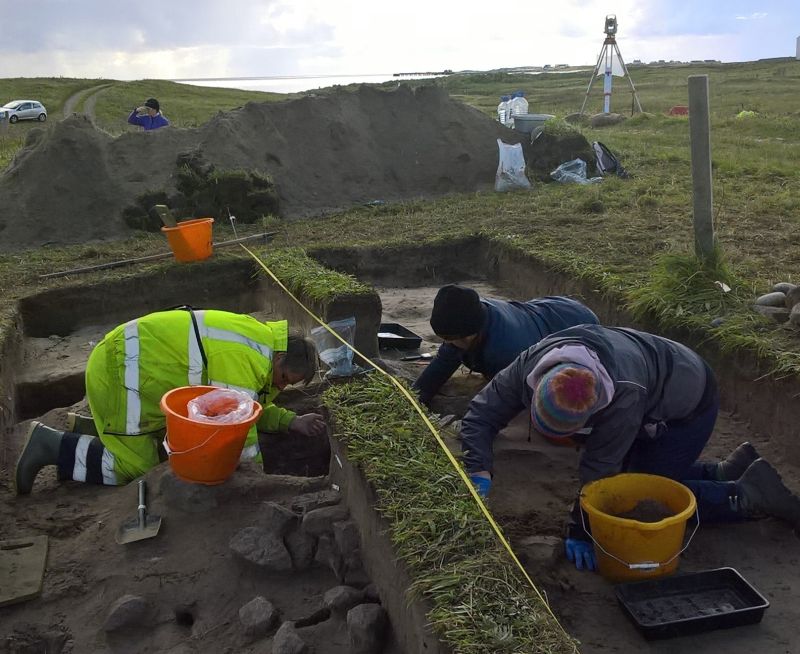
(408,618)
(227,283)
(770,406)
(10,360)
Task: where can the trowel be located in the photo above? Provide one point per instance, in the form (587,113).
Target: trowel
(143,525)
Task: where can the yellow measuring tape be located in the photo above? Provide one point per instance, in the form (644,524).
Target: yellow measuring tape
(459,469)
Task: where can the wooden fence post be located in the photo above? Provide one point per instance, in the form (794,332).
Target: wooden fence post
(702,196)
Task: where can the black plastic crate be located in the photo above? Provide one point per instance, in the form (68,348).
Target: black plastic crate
(691,603)
(391,335)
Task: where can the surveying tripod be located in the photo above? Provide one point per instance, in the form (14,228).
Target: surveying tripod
(607,52)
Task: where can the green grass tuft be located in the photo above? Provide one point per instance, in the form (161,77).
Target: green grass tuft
(301,274)
(682,289)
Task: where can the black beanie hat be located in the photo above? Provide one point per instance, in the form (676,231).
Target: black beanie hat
(457,312)
(152,103)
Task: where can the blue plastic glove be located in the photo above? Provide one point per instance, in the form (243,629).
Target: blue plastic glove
(581,553)
(482,485)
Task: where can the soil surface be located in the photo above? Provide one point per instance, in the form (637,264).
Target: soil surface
(324,153)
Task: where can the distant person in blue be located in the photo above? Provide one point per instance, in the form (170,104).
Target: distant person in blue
(148,116)
(486,335)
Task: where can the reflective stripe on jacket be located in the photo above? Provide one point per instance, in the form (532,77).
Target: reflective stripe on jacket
(144,358)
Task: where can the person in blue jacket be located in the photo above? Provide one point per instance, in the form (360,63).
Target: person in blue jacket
(486,335)
(650,405)
(148,116)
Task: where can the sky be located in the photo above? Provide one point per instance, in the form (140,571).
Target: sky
(178,39)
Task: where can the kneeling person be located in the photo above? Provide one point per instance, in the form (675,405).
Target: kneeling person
(136,363)
(486,335)
(651,405)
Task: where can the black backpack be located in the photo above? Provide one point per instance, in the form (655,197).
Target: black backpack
(607,163)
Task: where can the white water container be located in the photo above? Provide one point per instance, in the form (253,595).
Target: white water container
(502,110)
(518,104)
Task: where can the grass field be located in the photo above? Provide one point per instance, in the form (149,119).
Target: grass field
(633,237)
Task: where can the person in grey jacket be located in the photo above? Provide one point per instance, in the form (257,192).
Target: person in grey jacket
(650,404)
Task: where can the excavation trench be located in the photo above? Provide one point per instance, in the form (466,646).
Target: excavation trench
(534,480)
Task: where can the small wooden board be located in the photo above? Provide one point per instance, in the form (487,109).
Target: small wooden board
(22,563)
(163,212)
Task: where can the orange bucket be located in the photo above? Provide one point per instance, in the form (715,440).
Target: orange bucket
(190,240)
(202,452)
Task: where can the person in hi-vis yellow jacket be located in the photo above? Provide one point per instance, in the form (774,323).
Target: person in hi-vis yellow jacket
(137,362)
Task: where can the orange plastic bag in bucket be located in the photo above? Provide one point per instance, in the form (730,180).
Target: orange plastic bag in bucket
(190,240)
(202,452)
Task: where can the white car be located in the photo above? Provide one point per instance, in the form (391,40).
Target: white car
(25,110)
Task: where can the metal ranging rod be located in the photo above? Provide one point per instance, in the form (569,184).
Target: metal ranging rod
(609,50)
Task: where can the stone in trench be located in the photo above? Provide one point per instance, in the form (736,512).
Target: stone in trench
(276,518)
(778,314)
(308,502)
(287,641)
(340,599)
(257,617)
(185,496)
(327,555)
(366,626)
(346,535)
(302,547)
(127,611)
(775,299)
(262,548)
(542,549)
(354,573)
(371,594)
(783,287)
(321,520)
(794,315)
(792,297)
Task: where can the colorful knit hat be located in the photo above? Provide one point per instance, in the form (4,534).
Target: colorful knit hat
(563,400)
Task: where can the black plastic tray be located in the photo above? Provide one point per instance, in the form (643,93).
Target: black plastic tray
(691,603)
(403,339)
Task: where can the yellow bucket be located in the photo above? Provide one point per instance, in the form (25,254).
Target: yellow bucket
(630,550)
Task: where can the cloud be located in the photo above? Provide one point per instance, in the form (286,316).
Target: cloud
(240,38)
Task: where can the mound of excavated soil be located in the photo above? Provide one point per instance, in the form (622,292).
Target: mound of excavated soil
(73,182)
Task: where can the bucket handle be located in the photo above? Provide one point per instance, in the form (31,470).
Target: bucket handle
(645,565)
(170,451)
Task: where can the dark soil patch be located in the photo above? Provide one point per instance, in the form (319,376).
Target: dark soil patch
(647,511)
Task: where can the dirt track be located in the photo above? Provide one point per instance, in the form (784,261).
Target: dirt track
(88,96)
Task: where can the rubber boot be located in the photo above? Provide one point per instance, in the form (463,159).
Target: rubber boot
(41,449)
(734,466)
(79,424)
(761,492)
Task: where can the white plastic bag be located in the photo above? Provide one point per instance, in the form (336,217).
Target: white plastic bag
(333,353)
(221,406)
(511,169)
(574,171)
